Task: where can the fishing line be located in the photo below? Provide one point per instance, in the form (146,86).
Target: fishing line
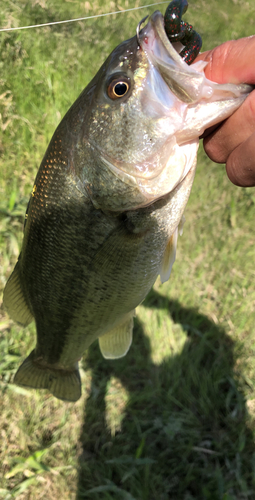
(83,18)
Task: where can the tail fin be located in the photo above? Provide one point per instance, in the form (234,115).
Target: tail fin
(63,384)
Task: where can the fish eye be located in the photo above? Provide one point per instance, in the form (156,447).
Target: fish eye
(118,87)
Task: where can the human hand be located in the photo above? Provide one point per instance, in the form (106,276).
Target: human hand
(233,141)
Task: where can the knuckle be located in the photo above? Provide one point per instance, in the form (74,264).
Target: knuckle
(214,150)
(241,168)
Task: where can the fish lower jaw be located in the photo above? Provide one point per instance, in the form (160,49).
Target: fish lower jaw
(179,164)
(176,162)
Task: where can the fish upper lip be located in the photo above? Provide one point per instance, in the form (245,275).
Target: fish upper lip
(156,22)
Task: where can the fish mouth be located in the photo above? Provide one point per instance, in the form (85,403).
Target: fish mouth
(187,83)
(164,56)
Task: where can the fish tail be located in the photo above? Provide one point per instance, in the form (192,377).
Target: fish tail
(63,384)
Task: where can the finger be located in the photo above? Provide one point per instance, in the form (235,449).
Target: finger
(240,165)
(232,132)
(231,62)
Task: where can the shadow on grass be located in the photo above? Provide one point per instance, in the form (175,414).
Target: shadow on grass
(183,435)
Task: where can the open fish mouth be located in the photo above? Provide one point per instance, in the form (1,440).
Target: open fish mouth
(187,83)
(164,56)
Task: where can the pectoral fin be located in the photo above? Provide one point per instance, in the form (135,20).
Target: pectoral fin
(170,253)
(169,257)
(63,384)
(116,343)
(119,245)
(14,300)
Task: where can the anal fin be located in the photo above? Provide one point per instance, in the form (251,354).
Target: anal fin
(63,384)
(14,300)
(116,343)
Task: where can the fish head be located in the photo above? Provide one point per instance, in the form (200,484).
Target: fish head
(147,109)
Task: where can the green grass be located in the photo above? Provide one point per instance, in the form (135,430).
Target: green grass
(174,419)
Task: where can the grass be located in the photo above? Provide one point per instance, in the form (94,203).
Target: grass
(174,419)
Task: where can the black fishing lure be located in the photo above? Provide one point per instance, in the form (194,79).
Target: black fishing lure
(180,31)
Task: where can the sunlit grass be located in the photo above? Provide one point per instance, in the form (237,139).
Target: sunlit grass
(174,419)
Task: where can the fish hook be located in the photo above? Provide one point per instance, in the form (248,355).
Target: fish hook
(138,29)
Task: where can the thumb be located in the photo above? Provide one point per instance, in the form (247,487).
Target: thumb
(231,62)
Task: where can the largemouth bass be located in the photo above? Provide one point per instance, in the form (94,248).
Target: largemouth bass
(103,218)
